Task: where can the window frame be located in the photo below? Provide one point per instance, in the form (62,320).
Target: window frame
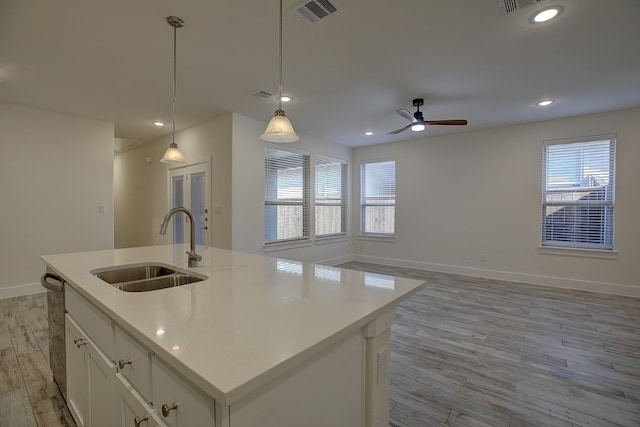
(344,182)
(304,201)
(364,205)
(608,204)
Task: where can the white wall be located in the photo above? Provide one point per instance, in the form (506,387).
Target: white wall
(479,193)
(142,185)
(141,188)
(57,171)
(248,193)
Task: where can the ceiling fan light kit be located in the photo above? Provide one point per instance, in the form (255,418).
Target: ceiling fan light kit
(418,123)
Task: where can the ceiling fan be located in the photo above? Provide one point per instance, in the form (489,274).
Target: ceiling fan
(418,123)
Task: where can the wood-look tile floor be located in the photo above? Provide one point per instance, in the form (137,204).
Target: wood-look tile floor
(465,352)
(477,352)
(28,395)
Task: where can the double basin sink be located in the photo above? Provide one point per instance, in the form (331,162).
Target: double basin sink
(145,277)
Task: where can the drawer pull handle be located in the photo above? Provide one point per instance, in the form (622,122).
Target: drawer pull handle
(80,342)
(122,363)
(166,409)
(137,420)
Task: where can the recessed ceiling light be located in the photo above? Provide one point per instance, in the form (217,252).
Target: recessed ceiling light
(284,98)
(545,14)
(368,133)
(545,102)
(157,123)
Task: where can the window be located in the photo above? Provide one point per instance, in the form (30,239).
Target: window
(378,197)
(286,195)
(331,201)
(578,193)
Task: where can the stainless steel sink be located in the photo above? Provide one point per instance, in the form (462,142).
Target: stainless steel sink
(144,278)
(129,274)
(177,279)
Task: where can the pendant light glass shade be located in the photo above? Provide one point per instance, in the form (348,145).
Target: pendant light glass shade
(279,128)
(173,153)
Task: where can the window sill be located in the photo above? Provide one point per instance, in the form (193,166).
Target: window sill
(281,246)
(378,238)
(586,253)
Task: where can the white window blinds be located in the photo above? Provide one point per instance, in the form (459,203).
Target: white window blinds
(578,192)
(330,200)
(286,195)
(378,197)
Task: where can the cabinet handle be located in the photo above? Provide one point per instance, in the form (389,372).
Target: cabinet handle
(122,363)
(137,420)
(166,409)
(80,342)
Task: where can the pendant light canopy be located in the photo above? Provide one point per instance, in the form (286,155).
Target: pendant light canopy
(279,128)
(173,153)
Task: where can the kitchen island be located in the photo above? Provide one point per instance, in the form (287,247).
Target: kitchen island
(260,341)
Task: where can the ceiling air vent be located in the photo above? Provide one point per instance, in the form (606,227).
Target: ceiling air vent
(315,10)
(510,6)
(261,94)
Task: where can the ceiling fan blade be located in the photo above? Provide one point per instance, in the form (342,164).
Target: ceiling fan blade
(393,132)
(406,114)
(446,122)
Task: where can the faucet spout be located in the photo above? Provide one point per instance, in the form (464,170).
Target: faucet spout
(193,256)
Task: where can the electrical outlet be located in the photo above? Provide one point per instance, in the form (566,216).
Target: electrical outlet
(483,258)
(465,257)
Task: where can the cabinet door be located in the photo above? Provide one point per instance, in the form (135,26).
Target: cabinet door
(130,408)
(90,379)
(184,406)
(77,372)
(101,377)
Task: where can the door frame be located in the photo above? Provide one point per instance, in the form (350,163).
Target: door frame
(204,165)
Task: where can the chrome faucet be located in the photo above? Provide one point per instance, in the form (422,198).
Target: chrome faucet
(193,256)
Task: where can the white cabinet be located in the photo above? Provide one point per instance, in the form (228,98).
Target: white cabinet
(134,363)
(130,408)
(89,379)
(180,404)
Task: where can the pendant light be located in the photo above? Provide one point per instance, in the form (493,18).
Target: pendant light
(173,153)
(279,128)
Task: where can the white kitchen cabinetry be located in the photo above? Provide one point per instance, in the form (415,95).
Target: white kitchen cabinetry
(180,404)
(131,410)
(134,363)
(89,379)
(113,385)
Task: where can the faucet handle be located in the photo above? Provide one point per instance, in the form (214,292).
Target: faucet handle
(194,256)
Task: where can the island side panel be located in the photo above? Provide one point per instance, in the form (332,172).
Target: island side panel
(377,369)
(326,390)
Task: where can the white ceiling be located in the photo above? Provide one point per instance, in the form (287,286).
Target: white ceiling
(112,61)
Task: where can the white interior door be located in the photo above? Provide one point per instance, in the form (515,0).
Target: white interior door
(189,188)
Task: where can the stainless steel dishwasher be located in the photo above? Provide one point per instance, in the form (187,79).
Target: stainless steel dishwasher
(55,307)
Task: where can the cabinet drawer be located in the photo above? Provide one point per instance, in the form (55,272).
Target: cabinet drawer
(95,323)
(130,405)
(188,406)
(134,363)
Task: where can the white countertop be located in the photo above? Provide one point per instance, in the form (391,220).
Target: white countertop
(253,319)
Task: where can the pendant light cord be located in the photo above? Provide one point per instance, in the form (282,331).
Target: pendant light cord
(173,132)
(280,43)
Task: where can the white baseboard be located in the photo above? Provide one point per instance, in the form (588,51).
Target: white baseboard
(558,282)
(335,261)
(18,291)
